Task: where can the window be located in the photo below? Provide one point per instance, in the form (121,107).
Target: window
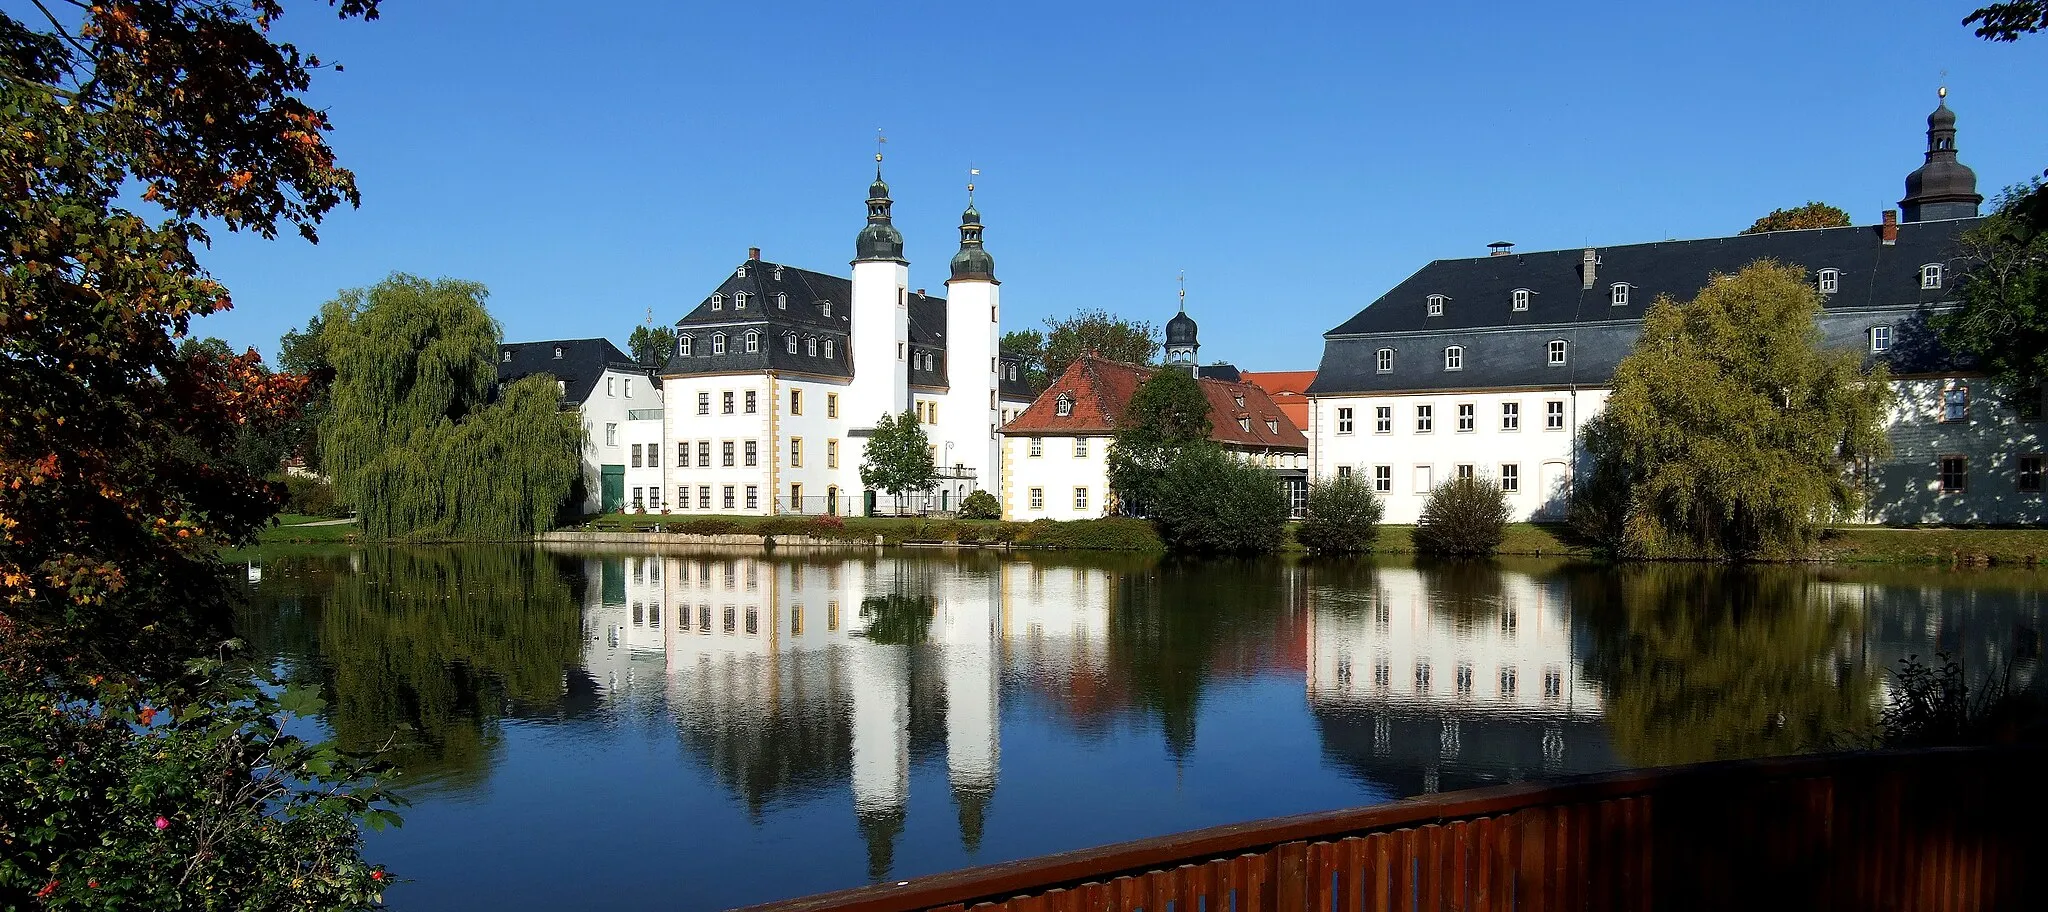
(811,348)
(703,497)
(1454,358)
(1436,305)
(899,351)
(1383,479)
(718,343)
(682,497)
(828,348)
(1272,426)
(1507,682)
(740,272)
(1464,471)
(627,387)
(1880,338)
(1383,362)
(753,453)
(1037,498)
(1013,371)
(611,434)
(789,342)
(1383,419)
(1425,418)
(725,452)
(1239,400)
(654,455)
(1618,295)
(1553,683)
(825,307)
(1930,275)
(505,357)
(1464,679)
(1467,417)
(753,342)
(727,497)
(636,455)
(1343,421)
(796,402)
(1830,281)
(703,403)
(1080,448)
(832,454)
(639,502)
(1510,416)
(1037,446)
(796,452)
(932,411)
(1080,498)
(1510,477)
(654,503)
(1244,424)
(684,344)
(682,454)
(1422,676)
(1343,471)
(831,405)
(611,387)
(781,298)
(704,454)
(751,403)
(753,503)
(725,402)
(739,300)
(1557,349)
(2028,479)
(1553,415)
(718,302)
(1063,406)
(1424,479)
(1954,474)
(1955,404)
(558,353)
(1520,297)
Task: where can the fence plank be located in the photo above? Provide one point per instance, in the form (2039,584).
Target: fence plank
(1380,891)
(1290,869)
(1351,869)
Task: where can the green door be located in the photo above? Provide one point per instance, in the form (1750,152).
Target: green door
(614,489)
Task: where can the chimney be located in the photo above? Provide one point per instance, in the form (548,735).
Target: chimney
(753,253)
(1587,264)
(1500,248)
(1890,231)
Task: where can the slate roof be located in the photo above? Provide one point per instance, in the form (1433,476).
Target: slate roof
(1508,348)
(1101,389)
(805,295)
(1227,372)
(583,361)
(1018,390)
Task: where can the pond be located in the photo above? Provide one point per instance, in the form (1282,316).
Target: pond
(701,730)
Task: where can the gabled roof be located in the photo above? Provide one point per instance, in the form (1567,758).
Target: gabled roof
(1289,390)
(803,313)
(1240,414)
(581,364)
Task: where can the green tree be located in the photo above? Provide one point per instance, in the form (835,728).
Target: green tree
(1210,502)
(2008,21)
(413,438)
(1098,331)
(2003,320)
(1463,517)
(304,352)
(651,344)
(1167,416)
(1731,432)
(1343,516)
(1811,215)
(898,457)
(1028,345)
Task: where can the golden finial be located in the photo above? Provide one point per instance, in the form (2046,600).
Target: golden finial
(879,140)
(1183,291)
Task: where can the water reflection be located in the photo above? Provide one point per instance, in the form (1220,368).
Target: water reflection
(893,715)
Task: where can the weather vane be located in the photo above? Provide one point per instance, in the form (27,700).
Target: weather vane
(1183,290)
(972,173)
(879,140)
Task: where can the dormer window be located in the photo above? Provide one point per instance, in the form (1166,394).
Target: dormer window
(1272,426)
(781,300)
(739,300)
(1063,406)
(558,353)
(789,342)
(1436,305)
(718,302)
(1239,400)
(1618,295)
(505,357)
(1383,361)
(753,342)
(683,346)
(1881,338)
(740,272)
(825,307)
(1520,297)
(811,347)
(1013,371)
(1830,281)
(828,348)
(718,343)
(1557,352)
(1930,275)
(1454,358)
(777,273)
(1244,424)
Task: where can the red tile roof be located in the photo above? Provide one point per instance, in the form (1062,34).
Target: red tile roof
(1101,389)
(1289,390)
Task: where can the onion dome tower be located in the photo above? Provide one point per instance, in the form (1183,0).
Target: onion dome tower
(1943,188)
(1181,346)
(879,240)
(972,262)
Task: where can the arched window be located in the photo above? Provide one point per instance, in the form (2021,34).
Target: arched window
(825,307)
(753,342)
(683,345)
(1436,305)
(828,348)
(1830,281)
(789,342)
(739,300)
(781,298)
(811,347)
(1618,295)
(1454,358)
(1930,275)
(1063,406)
(1521,298)
(718,343)
(718,302)
(1383,361)
(1556,352)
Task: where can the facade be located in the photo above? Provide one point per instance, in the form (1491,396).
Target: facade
(780,373)
(1493,365)
(1055,454)
(607,388)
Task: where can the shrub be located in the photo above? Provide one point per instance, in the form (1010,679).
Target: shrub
(1464,517)
(981,505)
(310,496)
(828,526)
(707,526)
(1108,534)
(1936,706)
(1208,502)
(1343,517)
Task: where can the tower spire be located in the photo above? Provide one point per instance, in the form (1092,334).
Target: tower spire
(972,262)
(879,240)
(1181,346)
(1942,187)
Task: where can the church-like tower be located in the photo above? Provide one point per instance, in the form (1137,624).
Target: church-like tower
(1943,187)
(973,337)
(1181,347)
(881,316)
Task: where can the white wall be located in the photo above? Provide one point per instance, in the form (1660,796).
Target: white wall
(643,438)
(968,412)
(684,425)
(1056,471)
(615,393)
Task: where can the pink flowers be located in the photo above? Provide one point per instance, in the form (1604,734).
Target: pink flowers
(162,823)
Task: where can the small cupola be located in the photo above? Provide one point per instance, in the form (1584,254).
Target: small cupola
(879,240)
(973,262)
(1942,187)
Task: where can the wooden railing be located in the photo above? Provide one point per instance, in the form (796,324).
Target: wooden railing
(1960,829)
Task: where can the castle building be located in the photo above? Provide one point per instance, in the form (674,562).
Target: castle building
(780,374)
(609,391)
(1493,365)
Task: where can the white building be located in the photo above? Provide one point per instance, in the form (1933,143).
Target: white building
(780,374)
(606,387)
(1493,365)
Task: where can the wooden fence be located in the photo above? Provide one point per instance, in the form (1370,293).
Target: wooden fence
(1950,829)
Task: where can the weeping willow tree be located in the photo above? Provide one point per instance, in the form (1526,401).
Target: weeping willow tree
(415,439)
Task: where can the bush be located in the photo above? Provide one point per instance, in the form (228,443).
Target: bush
(1208,502)
(310,496)
(828,526)
(981,505)
(1466,517)
(1108,534)
(1343,517)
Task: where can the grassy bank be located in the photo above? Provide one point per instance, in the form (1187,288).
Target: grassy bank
(2004,547)
(1081,535)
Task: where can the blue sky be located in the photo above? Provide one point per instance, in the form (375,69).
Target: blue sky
(589,162)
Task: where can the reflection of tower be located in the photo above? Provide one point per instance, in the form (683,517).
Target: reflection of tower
(880,679)
(967,629)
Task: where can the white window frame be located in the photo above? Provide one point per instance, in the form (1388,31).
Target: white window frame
(1510,416)
(739,300)
(1881,337)
(1468,417)
(1519,299)
(828,348)
(781,300)
(1036,447)
(1454,358)
(1617,296)
(1557,353)
(1930,275)
(1511,477)
(1553,415)
(1383,419)
(1383,479)
(685,345)
(718,302)
(1829,281)
(1425,419)
(753,341)
(1080,448)
(1344,421)
(1080,497)
(718,343)
(1436,304)
(789,342)
(1037,498)
(1062,405)
(1383,361)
